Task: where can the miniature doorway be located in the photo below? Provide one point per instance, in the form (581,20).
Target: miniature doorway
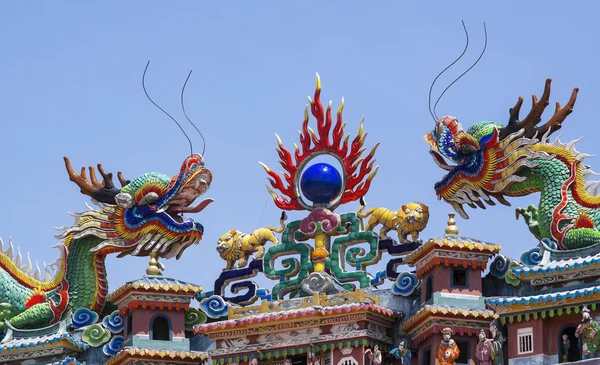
(573,353)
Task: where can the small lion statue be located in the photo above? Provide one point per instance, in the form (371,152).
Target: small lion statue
(235,246)
(409,220)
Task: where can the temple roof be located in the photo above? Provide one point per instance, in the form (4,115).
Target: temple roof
(164,355)
(289,314)
(554,267)
(545,304)
(158,284)
(450,241)
(20,343)
(432,318)
(25,343)
(543,298)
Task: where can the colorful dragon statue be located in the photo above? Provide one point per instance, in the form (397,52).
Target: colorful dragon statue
(496,161)
(144,216)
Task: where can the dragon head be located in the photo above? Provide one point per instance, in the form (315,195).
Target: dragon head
(147,214)
(483,161)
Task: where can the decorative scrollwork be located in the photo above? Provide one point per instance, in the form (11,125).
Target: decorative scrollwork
(84,317)
(214,306)
(405,284)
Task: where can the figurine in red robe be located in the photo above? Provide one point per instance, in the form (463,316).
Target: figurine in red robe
(483,352)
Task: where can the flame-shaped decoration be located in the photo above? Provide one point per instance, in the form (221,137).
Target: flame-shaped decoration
(358,172)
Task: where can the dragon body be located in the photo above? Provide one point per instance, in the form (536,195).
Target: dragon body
(495,161)
(144,216)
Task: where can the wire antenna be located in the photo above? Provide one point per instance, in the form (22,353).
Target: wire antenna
(444,70)
(162,110)
(186,116)
(464,73)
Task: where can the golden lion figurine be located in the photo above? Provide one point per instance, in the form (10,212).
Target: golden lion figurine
(235,246)
(409,220)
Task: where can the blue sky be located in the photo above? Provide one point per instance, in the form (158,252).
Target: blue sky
(70,74)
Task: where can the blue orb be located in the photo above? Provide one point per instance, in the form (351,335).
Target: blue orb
(321,183)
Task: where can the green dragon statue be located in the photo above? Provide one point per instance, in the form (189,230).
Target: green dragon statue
(144,216)
(495,161)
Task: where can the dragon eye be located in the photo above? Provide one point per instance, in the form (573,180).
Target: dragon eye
(407,211)
(228,237)
(419,210)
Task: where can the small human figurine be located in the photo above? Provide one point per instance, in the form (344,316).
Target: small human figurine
(448,350)
(254,361)
(401,353)
(287,362)
(483,353)
(313,359)
(587,334)
(374,356)
(496,342)
(566,346)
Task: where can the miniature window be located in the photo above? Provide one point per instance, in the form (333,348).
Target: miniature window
(161,330)
(348,361)
(129,325)
(459,278)
(428,288)
(525,340)
(298,360)
(426,357)
(463,357)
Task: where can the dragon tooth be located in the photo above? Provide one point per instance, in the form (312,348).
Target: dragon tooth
(162,210)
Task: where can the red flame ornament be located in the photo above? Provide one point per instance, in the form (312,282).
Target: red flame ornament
(358,172)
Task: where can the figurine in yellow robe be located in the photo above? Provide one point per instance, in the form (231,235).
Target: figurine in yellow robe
(448,351)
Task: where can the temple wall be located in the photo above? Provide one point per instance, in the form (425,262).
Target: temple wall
(142,319)
(539,345)
(442,282)
(347,356)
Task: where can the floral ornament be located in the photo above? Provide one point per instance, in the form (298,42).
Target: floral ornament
(214,306)
(84,317)
(113,322)
(193,317)
(405,284)
(96,335)
(112,348)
